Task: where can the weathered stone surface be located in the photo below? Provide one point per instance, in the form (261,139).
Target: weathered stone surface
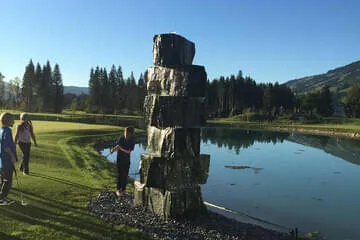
(170,204)
(174,142)
(152,171)
(172,174)
(188,81)
(172,49)
(166,111)
(175,110)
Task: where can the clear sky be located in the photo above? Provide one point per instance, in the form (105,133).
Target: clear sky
(268,40)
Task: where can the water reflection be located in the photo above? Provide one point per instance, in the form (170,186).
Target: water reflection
(237,139)
(286,178)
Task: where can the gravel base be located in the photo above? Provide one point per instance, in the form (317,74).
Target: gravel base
(209,226)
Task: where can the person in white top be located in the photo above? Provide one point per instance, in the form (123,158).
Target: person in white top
(23,135)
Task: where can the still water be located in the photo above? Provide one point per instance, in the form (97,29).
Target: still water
(291,180)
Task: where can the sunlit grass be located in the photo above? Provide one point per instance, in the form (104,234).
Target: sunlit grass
(65,173)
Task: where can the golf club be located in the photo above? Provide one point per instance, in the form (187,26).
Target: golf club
(23,203)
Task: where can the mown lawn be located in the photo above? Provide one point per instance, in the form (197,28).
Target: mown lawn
(65,173)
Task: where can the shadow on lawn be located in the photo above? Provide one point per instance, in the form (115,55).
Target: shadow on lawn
(61,180)
(51,215)
(4,236)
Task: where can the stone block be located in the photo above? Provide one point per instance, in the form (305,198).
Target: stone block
(170,204)
(172,49)
(188,81)
(166,111)
(171,142)
(172,174)
(152,171)
(139,194)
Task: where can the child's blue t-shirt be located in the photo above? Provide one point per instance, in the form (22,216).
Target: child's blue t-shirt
(6,141)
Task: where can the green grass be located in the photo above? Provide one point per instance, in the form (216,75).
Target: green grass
(66,172)
(330,124)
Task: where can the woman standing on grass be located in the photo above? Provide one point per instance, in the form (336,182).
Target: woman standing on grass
(25,131)
(124,146)
(7,157)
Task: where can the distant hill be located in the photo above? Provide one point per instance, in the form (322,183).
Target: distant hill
(339,80)
(67,89)
(76,90)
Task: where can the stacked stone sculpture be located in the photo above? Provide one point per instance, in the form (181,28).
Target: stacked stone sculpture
(173,169)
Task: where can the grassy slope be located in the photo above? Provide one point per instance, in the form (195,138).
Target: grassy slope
(65,173)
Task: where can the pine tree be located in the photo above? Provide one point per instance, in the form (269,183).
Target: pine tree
(132,97)
(105,90)
(112,89)
(91,100)
(27,86)
(39,90)
(47,88)
(95,89)
(141,92)
(58,98)
(120,91)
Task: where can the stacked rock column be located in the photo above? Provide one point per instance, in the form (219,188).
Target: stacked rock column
(173,169)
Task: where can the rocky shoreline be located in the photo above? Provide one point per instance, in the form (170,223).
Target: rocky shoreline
(209,226)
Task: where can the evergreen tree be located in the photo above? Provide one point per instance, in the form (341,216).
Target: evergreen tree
(113,88)
(325,106)
(58,97)
(40,91)
(47,87)
(141,92)
(120,92)
(131,97)
(27,86)
(95,89)
(105,90)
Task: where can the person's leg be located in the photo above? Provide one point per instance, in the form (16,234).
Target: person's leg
(118,179)
(124,175)
(25,149)
(22,148)
(6,182)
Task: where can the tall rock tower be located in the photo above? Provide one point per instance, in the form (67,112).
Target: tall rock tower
(173,169)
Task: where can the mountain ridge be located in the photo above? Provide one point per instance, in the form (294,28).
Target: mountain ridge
(339,80)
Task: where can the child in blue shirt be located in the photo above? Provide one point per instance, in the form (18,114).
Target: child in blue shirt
(7,157)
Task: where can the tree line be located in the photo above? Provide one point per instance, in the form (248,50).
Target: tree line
(112,93)
(41,89)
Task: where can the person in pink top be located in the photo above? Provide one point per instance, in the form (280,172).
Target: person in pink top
(24,134)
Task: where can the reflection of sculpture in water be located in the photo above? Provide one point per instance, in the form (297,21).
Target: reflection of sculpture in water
(175,110)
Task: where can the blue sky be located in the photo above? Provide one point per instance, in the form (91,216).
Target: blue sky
(268,40)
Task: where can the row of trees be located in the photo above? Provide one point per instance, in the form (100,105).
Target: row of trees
(41,89)
(111,93)
(228,96)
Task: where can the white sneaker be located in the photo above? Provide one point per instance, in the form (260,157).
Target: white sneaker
(118,193)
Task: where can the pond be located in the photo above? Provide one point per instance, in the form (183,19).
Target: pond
(281,180)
